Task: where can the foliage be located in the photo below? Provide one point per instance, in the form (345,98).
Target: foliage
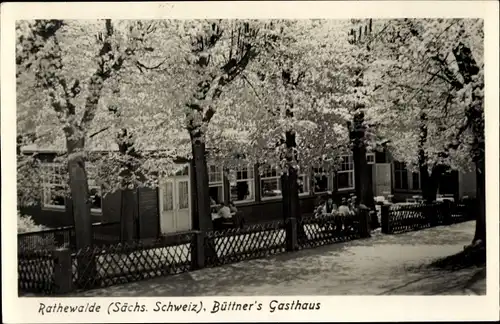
(422,91)
(239,86)
(300,84)
(26,224)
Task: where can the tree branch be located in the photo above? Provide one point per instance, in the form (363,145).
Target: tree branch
(99,131)
(101,74)
(141,65)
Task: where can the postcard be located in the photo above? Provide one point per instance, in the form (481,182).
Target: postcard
(250,161)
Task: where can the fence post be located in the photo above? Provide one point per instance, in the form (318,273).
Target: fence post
(364,222)
(291,234)
(384,219)
(446,210)
(198,250)
(63,271)
(430,214)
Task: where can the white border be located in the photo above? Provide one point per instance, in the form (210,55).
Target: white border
(334,308)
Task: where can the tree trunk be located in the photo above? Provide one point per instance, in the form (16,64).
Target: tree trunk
(128,206)
(128,214)
(468,68)
(78,184)
(79,187)
(430,182)
(204,219)
(290,187)
(480,232)
(364,190)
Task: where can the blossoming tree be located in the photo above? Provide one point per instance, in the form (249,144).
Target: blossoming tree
(67,66)
(430,99)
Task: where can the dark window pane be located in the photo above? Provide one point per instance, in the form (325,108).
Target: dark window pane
(215,193)
(95,198)
(380,157)
(271,187)
(242,190)
(397,179)
(404,176)
(321,183)
(344,180)
(416,180)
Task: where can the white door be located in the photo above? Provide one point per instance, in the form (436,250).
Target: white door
(183,212)
(382,179)
(175,205)
(167,204)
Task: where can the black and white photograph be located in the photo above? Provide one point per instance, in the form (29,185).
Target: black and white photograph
(223,157)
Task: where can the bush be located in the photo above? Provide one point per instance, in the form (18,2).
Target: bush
(25,224)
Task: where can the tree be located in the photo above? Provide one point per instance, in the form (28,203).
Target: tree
(432,91)
(298,91)
(60,53)
(358,133)
(209,56)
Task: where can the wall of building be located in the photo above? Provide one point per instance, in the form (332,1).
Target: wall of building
(148,218)
(467,184)
(148,213)
(458,184)
(273,209)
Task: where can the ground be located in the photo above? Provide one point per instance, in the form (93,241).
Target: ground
(381,265)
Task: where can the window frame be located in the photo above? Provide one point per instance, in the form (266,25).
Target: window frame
(329,183)
(403,171)
(47,186)
(278,179)
(90,179)
(371,155)
(307,183)
(216,184)
(413,182)
(350,163)
(65,185)
(251,181)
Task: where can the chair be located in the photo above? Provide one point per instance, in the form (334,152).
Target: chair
(236,221)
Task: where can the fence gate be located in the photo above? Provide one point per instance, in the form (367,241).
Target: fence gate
(382,182)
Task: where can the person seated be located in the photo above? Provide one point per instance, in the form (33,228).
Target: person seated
(225,211)
(232,207)
(214,206)
(320,203)
(329,208)
(344,209)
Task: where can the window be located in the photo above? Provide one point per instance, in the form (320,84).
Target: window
(345,176)
(370,158)
(55,186)
(95,190)
(242,184)
(321,180)
(215,185)
(270,184)
(55,183)
(400,176)
(415,180)
(303,183)
(183,172)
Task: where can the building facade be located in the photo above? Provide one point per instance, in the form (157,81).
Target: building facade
(406,184)
(169,207)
